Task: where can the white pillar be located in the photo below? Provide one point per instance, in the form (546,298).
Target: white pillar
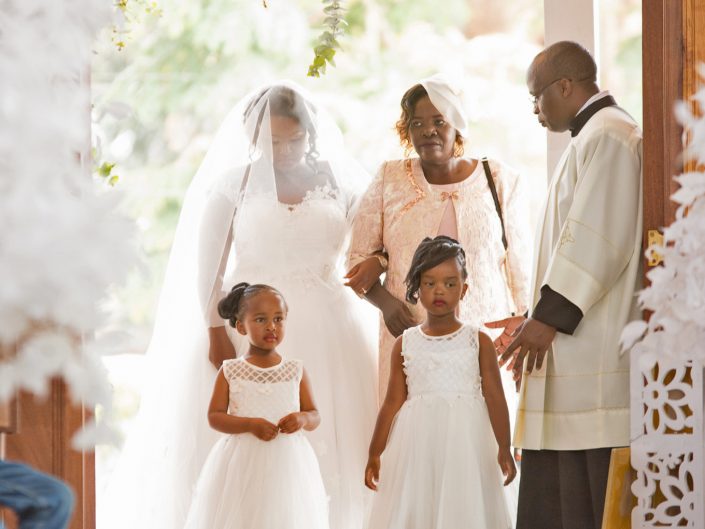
(575,20)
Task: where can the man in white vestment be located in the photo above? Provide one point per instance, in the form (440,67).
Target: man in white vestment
(574,397)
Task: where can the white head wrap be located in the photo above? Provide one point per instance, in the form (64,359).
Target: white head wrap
(448,99)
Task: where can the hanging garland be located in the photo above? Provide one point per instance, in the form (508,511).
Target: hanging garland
(129,13)
(327,42)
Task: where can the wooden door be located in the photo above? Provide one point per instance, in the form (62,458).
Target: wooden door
(41,437)
(673,45)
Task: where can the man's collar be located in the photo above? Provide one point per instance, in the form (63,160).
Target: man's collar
(588,110)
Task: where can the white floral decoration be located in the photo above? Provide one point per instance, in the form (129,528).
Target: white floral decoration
(677,291)
(62,240)
(667,355)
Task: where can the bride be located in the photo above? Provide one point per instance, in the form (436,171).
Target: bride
(271,203)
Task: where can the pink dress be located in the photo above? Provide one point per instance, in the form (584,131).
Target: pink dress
(400,208)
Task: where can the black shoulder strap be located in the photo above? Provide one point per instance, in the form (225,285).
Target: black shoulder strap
(493,189)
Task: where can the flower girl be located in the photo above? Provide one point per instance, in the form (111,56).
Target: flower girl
(265,474)
(442,467)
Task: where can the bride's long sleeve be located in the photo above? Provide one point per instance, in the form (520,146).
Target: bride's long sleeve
(215,242)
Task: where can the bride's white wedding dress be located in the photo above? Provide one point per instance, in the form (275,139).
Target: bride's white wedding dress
(233,228)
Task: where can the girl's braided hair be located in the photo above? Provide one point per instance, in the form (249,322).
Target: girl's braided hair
(432,252)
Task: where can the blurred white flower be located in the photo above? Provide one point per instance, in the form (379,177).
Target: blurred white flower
(62,241)
(677,291)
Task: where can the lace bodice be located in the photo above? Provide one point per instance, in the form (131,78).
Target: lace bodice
(269,393)
(296,241)
(400,208)
(442,364)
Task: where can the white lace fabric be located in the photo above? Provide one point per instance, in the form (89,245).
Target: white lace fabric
(442,364)
(270,393)
(305,246)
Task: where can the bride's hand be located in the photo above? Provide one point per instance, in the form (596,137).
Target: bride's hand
(363,275)
(220,348)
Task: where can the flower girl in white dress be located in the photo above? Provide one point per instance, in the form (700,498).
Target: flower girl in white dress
(263,475)
(439,469)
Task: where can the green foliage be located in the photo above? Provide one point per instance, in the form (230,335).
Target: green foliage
(448,13)
(355,17)
(327,43)
(133,12)
(104,171)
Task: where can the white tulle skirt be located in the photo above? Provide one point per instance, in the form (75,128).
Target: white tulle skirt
(440,470)
(153,481)
(247,483)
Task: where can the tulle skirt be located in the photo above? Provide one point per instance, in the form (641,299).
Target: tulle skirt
(440,470)
(154,478)
(247,483)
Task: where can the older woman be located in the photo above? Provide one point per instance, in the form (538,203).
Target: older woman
(479,203)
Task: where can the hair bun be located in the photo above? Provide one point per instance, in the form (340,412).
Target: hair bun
(243,285)
(229,306)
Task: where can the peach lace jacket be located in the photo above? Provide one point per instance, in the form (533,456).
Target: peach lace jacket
(400,208)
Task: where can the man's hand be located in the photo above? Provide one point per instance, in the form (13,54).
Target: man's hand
(532,342)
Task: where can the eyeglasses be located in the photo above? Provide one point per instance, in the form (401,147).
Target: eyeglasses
(535,99)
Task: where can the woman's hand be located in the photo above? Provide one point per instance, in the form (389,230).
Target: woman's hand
(397,316)
(292,423)
(263,429)
(372,473)
(532,341)
(506,463)
(220,348)
(363,275)
(511,326)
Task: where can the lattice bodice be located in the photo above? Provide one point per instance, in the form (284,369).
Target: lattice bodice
(442,364)
(269,393)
